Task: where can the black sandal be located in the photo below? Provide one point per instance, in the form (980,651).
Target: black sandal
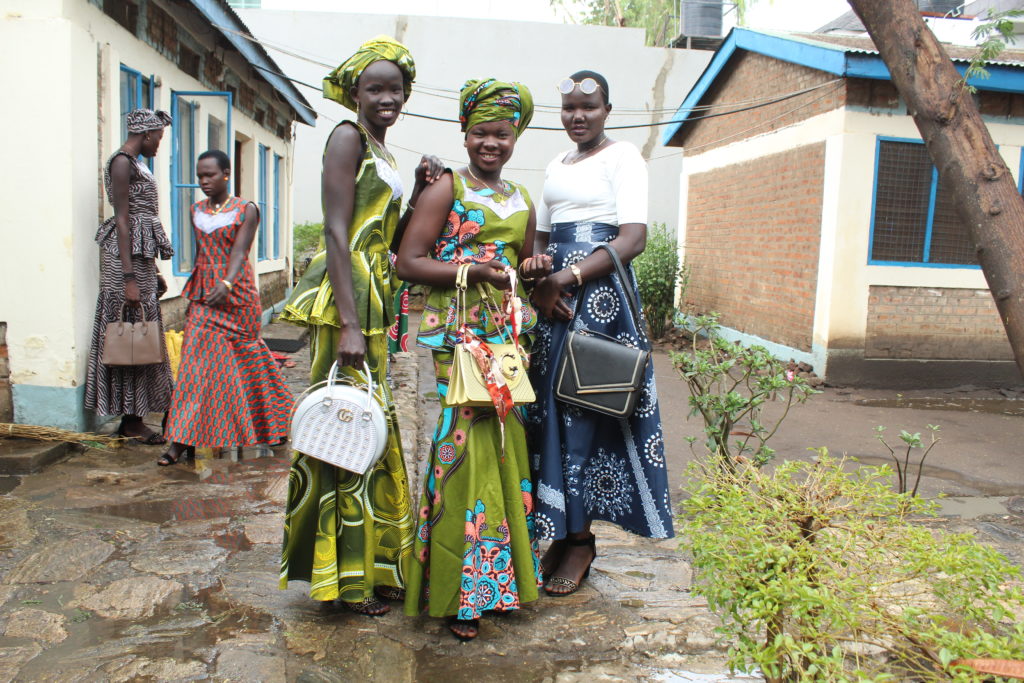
(552,558)
(464,629)
(390,593)
(573,586)
(166,460)
(152,439)
(370,607)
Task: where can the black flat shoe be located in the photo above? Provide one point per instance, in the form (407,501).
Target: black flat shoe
(570,585)
(166,460)
(464,629)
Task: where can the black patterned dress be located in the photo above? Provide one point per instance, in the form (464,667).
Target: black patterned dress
(138,389)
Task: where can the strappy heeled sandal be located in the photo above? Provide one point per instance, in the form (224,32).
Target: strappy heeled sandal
(370,607)
(569,584)
(552,558)
(464,629)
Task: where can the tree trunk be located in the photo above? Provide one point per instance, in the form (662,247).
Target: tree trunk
(984,192)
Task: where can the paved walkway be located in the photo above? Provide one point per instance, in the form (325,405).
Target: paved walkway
(114,569)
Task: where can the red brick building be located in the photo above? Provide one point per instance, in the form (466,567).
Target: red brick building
(815,224)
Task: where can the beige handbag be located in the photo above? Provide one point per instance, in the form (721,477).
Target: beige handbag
(132,343)
(466,383)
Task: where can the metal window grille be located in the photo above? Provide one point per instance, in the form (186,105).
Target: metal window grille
(914,219)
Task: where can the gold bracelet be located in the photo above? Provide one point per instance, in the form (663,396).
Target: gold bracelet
(227,284)
(577,274)
(523,277)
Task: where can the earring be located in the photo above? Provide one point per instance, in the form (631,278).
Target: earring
(225,177)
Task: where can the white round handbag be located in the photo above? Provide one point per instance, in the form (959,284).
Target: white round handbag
(340,421)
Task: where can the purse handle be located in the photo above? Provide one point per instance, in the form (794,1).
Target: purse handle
(332,379)
(142,312)
(619,269)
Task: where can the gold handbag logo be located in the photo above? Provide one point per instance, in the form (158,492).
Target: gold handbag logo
(345,415)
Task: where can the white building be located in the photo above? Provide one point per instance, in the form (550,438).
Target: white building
(71,69)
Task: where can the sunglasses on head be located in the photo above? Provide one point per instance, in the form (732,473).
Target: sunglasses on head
(587,86)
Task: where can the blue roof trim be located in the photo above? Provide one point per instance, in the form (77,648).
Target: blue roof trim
(221,15)
(830,58)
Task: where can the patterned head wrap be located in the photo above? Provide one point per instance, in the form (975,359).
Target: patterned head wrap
(488,99)
(142,120)
(338,83)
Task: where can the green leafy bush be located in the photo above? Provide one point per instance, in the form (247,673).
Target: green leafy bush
(657,273)
(730,386)
(819,574)
(305,239)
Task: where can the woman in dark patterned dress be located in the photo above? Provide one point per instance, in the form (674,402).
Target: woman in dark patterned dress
(229,390)
(587,465)
(129,243)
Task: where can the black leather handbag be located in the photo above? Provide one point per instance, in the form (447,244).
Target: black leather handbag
(598,372)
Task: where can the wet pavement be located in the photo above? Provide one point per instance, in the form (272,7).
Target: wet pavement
(114,569)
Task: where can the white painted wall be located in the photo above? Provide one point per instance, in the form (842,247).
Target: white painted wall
(448,51)
(62,59)
(844,275)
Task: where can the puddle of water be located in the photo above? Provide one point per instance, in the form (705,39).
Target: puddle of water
(996,406)
(161,511)
(971,507)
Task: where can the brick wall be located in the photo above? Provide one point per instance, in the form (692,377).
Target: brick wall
(932,323)
(752,239)
(750,76)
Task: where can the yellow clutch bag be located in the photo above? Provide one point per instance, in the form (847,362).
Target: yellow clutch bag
(466,384)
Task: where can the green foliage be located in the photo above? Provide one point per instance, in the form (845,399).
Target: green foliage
(658,17)
(911,441)
(305,238)
(730,387)
(819,575)
(994,35)
(657,272)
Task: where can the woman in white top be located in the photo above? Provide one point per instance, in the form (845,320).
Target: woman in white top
(587,465)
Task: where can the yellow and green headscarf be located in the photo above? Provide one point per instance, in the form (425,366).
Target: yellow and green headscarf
(338,83)
(488,99)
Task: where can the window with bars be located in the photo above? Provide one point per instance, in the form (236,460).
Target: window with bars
(913,220)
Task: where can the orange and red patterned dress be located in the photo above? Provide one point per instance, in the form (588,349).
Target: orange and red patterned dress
(229,390)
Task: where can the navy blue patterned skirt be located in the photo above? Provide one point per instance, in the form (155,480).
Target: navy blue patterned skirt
(587,465)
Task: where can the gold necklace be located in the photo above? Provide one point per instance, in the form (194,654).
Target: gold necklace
(380,144)
(221,207)
(504,192)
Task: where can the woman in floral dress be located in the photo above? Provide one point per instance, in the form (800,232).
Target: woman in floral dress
(475,547)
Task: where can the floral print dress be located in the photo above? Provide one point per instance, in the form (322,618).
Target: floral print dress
(475,547)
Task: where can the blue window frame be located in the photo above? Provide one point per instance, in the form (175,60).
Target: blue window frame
(137,92)
(277,206)
(261,249)
(913,219)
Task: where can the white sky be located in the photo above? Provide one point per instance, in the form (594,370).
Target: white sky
(794,15)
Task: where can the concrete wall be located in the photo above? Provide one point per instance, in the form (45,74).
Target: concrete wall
(842,346)
(56,141)
(448,51)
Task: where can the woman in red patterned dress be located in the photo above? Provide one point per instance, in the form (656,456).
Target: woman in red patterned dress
(229,391)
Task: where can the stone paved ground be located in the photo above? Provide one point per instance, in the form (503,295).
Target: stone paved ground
(114,569)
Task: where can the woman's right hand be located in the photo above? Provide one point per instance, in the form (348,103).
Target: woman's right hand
(132,297)
(351,347)
(549,297)
(492,272)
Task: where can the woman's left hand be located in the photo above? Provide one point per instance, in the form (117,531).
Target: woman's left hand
(219,295)
(428,170)
(535,267)
(161,286)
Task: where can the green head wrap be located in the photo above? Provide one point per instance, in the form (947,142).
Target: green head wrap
(489,100)
(338,84)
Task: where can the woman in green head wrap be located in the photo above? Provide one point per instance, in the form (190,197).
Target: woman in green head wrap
(475,549)
(350,535)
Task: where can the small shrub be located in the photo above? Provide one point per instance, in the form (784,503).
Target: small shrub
(657,273)
(730,385)
(911,441)
(305,239)
(819,575)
